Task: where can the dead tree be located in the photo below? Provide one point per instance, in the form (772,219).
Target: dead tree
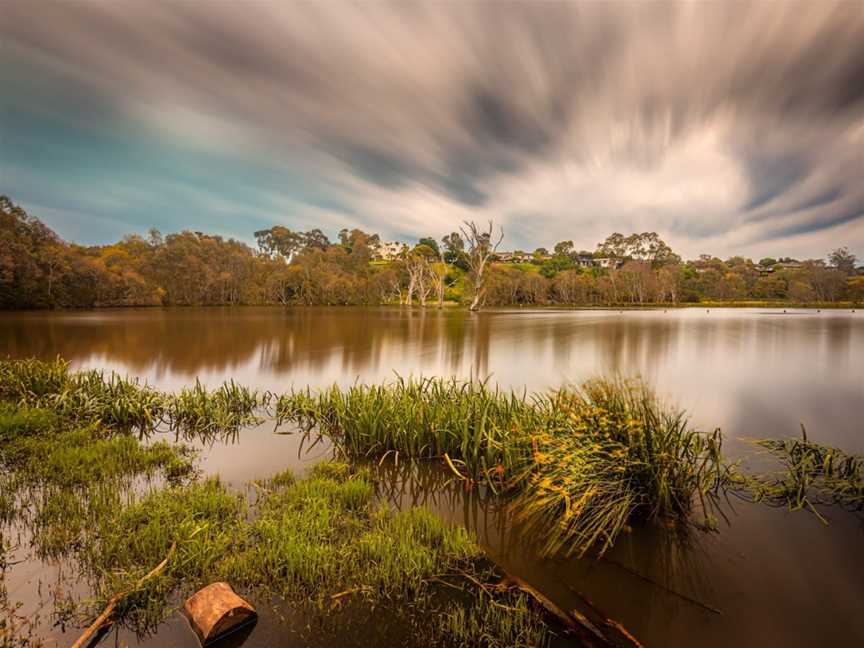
(481,248)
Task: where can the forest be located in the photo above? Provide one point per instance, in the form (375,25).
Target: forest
(39,270)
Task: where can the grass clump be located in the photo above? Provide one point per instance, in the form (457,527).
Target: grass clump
(616,456)
(17,421)
(126,403)
(811,474)
(199,410)
(29,380)
(81,396)
(324,535)
(510,622)
(204,519)
(426,418)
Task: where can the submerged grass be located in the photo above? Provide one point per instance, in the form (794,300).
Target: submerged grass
(810,474)
(582,463)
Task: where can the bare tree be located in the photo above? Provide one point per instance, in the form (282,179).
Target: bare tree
(421,275)
(437,272)
(481,248)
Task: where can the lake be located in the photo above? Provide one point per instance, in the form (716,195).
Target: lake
(777,578)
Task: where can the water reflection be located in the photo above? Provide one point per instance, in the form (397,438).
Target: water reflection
(751,372)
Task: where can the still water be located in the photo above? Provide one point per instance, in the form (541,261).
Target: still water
(777,578)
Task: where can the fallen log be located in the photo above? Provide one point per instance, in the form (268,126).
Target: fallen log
(103,618)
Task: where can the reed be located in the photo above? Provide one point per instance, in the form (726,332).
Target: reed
(125,403)
(81,396)
(30,379)
(474,425)
(199,411)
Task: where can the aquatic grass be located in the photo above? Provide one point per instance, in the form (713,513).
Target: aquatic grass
(418,418)
(810,474)
(81,396)
(322,536)
(17,421)
(30,379)
(82,456)
(581,463)
(621,456)
(126,403)
(512,621)
(204,519)
(109,398)
(311,542)
(197,410)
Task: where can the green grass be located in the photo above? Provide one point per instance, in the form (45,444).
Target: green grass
(511,621)
(125,403)
(479,428)
(310,542)
(97,498)
(581,463)
(199,411)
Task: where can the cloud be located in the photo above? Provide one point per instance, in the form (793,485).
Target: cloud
(725,127)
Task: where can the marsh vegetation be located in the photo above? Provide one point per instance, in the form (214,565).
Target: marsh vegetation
(84,481)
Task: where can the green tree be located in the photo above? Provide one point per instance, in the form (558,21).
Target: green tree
(843,260)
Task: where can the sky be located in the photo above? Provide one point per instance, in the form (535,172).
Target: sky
(728,128)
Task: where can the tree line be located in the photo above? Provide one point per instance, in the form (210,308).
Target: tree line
(38,269)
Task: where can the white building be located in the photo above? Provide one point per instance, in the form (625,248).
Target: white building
(389,250)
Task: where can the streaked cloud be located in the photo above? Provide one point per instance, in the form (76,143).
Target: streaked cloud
(725,127)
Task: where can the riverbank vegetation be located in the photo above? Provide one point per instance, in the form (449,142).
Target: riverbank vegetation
(83,481)
(98,494)
(40,270)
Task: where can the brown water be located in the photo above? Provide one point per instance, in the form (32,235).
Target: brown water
(778,578)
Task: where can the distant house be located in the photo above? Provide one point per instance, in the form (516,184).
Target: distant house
(607,262)
(389,250)
(584,261)
(514,257)
(789,265)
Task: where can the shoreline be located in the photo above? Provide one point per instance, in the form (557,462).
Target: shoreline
(453,306)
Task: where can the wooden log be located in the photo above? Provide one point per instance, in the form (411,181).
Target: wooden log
(216,610)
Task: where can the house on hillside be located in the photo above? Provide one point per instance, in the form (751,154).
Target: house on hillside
(514,257)
(389,250)
(789,265)
(607,262)
(584,261)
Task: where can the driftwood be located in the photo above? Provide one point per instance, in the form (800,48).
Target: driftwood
(216,611)
(104,618)
(575,622)
(609,622)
